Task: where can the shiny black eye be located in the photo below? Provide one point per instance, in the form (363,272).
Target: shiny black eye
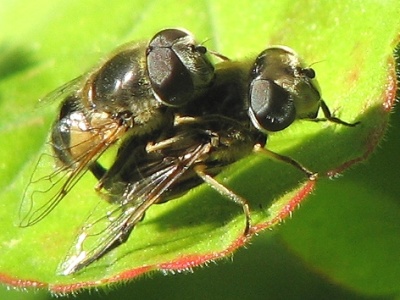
(177,67)
(271,107)
(271,103)
(169,77)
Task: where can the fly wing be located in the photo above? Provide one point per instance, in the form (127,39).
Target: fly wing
(47,188)
(61,92)
(106,228)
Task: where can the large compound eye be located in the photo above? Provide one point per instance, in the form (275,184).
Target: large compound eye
(178,68)
(271,107)
(282,88)
(271,101)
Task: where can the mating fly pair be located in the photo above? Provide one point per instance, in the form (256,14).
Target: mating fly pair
(178,120)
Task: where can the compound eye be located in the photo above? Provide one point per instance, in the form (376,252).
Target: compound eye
(169,78)
(271,106)
(167,37)
(177,67)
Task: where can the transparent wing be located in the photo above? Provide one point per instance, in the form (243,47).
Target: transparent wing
(106,228)
(51,181)
(62,91)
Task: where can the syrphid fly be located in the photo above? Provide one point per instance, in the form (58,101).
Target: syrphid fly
(131,93)
(229,122)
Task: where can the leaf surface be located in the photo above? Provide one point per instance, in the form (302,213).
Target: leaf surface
(349,45)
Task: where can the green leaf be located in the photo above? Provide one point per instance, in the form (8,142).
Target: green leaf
(351,232)
(43,48)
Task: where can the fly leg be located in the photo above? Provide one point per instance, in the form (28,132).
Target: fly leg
(224,191)
(329,117)
(103,176)
(97,170)
(286,159)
